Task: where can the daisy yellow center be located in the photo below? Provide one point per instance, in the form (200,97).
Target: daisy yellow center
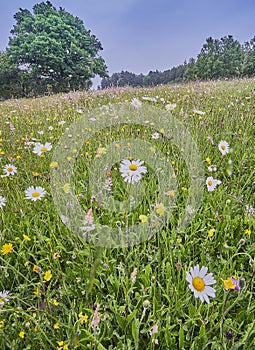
(223,147)
(35,194)
(198,284)
(43,149)
(210,183)
(1,300)
(133,167)
(9,170)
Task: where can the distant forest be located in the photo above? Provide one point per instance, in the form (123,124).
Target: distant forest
(218,58)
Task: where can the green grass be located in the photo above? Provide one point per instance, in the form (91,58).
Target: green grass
(85,275)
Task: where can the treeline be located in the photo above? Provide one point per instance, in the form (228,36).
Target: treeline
(218,58)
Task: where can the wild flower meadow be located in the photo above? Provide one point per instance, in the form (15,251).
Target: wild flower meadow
(177,289)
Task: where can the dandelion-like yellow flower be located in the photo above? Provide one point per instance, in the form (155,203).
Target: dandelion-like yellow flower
(143,218)
(211,232)
(53,165)
(37,291)
(160,209)
(7,248)
(22,334)
(55,302)
(67,188)
(228,284)
(62,345)
(83,318)
(47,276)
(26,238)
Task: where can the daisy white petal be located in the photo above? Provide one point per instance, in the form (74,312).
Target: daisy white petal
(10,169)
(210,291)
(223,147)
(211,184)
(35,193)
(188,277)
(132,170)
(199,282)
(39,148)
(2,201)
(203,271)
(136,103)
(4,297)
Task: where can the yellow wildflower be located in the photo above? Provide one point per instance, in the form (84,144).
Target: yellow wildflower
(37,291)
(211,232)
(160,209)
(47,275)
(7,248)
(83,318)
(143,218)
(26,238)
(228,284)
(22,334)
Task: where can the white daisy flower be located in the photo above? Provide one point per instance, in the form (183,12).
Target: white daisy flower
(212,168)
(35,193)
(211,183)
(170,106)
(196,111)
(9,169)
(2,202)
(39,148)
(199,283)
(155,136)
(4,297)
(151,99)
(223,147)
(136,103)
(132,170)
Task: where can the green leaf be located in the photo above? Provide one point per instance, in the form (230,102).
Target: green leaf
(135,331)
(181,338)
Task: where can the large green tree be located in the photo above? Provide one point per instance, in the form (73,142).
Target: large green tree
(249,57)
(54,47)
(219,58)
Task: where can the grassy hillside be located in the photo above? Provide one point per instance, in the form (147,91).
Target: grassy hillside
(68,280)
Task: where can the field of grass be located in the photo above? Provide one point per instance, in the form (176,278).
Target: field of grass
(63,287)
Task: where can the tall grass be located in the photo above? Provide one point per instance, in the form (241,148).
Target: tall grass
(66,293)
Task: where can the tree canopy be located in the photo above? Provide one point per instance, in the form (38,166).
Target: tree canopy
(53,47)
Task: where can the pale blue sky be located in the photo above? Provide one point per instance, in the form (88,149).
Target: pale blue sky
(144,35)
